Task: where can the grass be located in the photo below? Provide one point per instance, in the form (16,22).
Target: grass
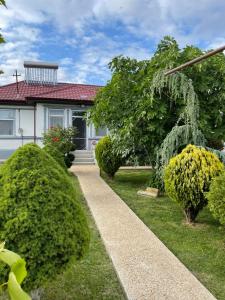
(201,247)
(91,278)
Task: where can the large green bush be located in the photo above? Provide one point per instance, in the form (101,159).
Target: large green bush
(216,197)
(56,154)
(108,161)
(40,217)
(188,176)
(61,139)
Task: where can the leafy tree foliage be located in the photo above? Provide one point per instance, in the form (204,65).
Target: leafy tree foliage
(16,276)
(139,119)
(2,2)
(41,219)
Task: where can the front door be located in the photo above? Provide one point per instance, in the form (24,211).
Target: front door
(80,123)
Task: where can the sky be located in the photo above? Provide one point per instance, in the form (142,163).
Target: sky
(82,36)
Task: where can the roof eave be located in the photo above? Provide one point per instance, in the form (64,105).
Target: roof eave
(34,100)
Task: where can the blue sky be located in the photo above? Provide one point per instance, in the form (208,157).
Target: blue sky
(84,35)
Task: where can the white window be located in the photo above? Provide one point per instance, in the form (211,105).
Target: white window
(56,118)
(7,122)
(100,131)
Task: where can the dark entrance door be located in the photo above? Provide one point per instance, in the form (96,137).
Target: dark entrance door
(80,124)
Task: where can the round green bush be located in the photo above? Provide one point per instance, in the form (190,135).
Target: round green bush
(41,219)
(216,197)
(56,154)
(108,161)
(188,176)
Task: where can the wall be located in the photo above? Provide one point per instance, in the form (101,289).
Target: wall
(25,121)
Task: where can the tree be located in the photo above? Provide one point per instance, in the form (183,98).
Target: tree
(139,118)
(2,2)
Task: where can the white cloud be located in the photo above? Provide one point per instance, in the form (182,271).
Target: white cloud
(195,22)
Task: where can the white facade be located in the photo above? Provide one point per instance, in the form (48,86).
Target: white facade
(25,124)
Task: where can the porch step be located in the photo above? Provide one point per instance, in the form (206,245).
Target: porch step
(83,157)
(83,163)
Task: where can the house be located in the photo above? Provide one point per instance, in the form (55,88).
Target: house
(29,108)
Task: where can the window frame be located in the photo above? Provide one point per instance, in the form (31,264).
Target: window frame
(55,115)
(9,119)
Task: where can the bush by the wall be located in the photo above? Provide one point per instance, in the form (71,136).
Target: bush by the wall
(56,154)
(41,218)
(62,139)
(188,176)
(216,198)
(108,161)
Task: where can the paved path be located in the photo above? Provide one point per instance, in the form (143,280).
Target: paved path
(145,267)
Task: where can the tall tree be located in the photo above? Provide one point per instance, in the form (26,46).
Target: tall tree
(140,119)
(2,2)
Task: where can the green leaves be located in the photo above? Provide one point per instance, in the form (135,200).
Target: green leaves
(2,2)
(40,215)
(15,290)
(17,274)
(128,106)
(188,177)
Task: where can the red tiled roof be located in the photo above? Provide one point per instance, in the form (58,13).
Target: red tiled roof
(61,91)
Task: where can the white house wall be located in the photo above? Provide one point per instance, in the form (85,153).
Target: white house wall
(24,126)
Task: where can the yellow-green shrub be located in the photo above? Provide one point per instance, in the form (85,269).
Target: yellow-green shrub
(188,176)
(216,197)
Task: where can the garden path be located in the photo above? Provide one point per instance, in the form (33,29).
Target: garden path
(146,268)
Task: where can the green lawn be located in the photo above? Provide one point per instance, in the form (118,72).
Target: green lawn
(201,247)
(91,278)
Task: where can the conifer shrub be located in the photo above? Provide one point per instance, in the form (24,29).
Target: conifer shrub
(216,198)
(108,161)
(56,154)
(41,219)
(188,176)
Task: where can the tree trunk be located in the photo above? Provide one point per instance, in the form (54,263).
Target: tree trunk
(191,213)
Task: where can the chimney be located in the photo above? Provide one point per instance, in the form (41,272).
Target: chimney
(42,73)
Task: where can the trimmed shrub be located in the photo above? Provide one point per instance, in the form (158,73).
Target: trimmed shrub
(62,139)
(56,154)
(41,218)
(107,160)
(216,198)
(188,176)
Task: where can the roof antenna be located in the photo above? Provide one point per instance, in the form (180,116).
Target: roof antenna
(17,83)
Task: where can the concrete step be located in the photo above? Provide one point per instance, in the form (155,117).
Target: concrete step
(80,152)
(83,163)
(84,159)
(84,156)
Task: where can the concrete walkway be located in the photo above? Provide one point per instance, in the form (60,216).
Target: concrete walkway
(146,268)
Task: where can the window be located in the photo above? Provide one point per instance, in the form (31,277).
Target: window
(100,131)
(56,118)
(7,121)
